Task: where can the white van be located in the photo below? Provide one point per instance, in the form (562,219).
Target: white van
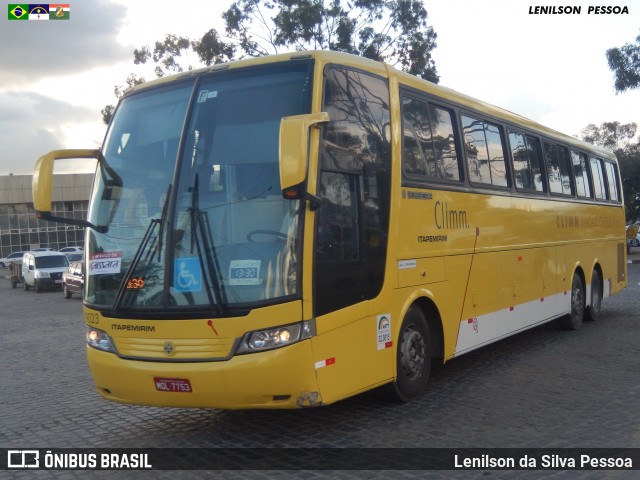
(43,269)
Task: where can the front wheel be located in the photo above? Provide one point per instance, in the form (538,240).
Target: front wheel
(413,358)
(66,291)
(573,321)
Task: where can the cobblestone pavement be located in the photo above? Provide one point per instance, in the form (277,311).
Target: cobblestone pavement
(542,388)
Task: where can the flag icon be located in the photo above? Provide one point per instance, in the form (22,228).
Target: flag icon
(59,11)
(18,11)
(39,11)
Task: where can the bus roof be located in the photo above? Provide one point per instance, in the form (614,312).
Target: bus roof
(460,99)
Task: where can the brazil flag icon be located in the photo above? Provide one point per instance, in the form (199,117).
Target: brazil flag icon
(18,11)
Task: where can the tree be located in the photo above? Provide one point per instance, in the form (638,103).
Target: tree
(625,64)
(394,31)
(621,139)
(209,50)
(611,135)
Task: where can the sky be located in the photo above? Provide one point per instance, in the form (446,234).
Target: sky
(56,76)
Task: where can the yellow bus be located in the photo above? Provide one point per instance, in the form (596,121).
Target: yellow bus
(289,231)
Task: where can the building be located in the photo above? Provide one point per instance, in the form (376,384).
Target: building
(19,227)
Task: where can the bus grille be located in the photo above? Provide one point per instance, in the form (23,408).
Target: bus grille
(180,349)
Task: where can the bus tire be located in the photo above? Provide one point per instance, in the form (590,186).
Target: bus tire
(573,321)
(413,358)
(593,311)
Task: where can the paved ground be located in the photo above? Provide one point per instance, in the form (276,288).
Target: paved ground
(542,388)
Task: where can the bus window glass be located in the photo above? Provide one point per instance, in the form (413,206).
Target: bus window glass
(485,156)
(565,170)
(429,144)
(520,156)
(354,187)
(418,158)
(579,161)
(558,172)
(612,176)
(597,174)
(444,144)
(535,160)
(525,152)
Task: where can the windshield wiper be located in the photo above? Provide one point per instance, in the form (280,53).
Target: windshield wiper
(205,245)
(148,235)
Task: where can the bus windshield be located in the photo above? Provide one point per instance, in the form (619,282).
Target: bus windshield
(197,218)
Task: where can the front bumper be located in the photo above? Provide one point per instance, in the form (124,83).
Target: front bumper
(281,378)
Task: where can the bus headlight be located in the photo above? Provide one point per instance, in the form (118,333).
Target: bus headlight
(270,338)
(99,340)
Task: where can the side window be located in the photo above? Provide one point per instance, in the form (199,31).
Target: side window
(428,141)
(597,173)
(581,175)
(525,151)
(612,181)
(485,155)
(558,171)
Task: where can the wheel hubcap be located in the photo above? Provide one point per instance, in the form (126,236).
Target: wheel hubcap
(596,299)
(413,353)
(577,308)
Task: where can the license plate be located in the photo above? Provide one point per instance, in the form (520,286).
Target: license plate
(172,384)
(58,281)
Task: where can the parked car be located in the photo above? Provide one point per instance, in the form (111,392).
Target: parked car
(6,261)
(633,236)
(74,256)
(42,249)
(43,269)
(73,279)
(71,250)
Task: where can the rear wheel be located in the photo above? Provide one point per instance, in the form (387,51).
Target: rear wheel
(413,358)
(573,321)
(593,312)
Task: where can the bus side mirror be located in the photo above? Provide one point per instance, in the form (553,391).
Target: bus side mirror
(42,183)
(294,151)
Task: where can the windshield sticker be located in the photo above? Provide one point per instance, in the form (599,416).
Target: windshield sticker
(206,95)
(244,272)
(384,331)
(187,275)
(203,96)
(105,263)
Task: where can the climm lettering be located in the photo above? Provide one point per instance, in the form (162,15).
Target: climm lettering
(449,219)
(567,221)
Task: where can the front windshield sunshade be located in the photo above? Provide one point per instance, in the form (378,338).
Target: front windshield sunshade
(223,237)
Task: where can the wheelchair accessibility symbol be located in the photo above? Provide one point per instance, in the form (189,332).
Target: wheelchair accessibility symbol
(187,275)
